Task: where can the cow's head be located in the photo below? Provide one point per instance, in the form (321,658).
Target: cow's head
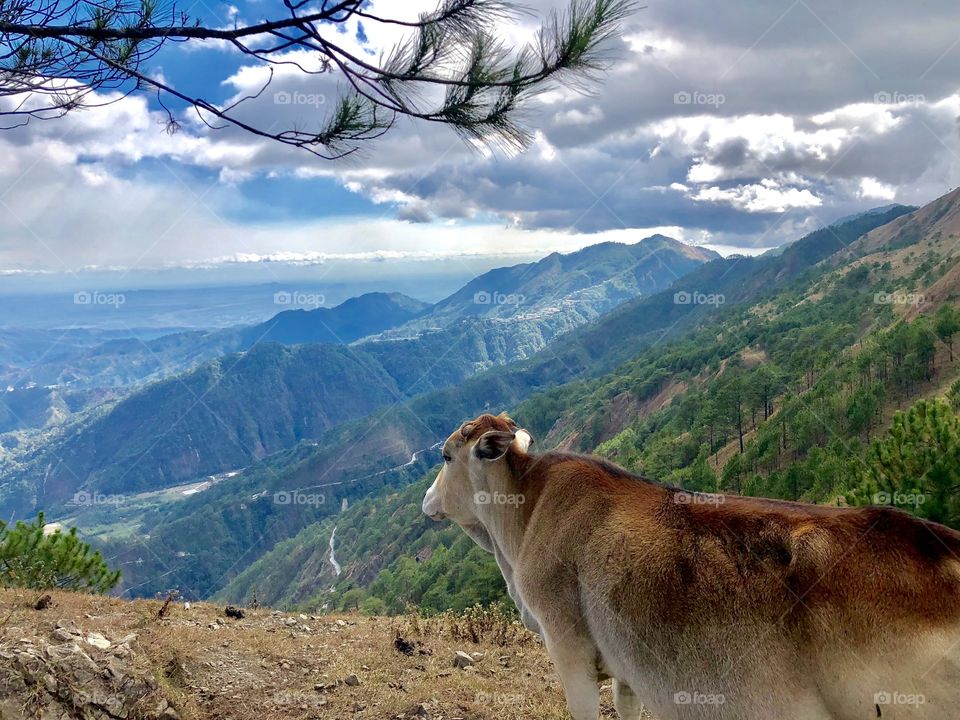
(474,451)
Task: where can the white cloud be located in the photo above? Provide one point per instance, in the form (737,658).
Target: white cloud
(805,125)
(763,197)
(579,117)
(873,189)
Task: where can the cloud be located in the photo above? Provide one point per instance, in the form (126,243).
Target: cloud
(873,189)
(765,196)
(825,111)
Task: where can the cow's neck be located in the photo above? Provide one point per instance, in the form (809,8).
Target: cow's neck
(505,517)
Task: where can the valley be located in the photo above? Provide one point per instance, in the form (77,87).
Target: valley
(622,384)
(280,409)
(788,369)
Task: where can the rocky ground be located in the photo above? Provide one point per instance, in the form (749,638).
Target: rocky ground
(83,656)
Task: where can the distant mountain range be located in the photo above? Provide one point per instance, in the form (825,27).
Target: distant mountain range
(351,320)
(373,454)
(263,397)
(815,321)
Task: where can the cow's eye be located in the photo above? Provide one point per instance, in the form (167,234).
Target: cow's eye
(447,457)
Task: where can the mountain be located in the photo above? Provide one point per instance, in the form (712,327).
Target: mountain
(119,362)
(233,411)
(789,319)
(776,396)
(224,415)
(356,458)
(884,211)
(873,211)
(556,294)
(599,276)
(353,319)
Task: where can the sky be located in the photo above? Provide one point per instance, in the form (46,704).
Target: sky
(740,129)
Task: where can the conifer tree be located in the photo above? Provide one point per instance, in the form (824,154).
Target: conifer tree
(916,466)
(946,323)
(30,558)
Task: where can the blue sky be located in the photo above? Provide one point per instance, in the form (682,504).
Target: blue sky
(744,129)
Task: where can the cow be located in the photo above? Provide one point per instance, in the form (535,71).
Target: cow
(705,606)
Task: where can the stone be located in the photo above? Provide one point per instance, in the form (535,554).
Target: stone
(351,680)
(97,640)
(462,660)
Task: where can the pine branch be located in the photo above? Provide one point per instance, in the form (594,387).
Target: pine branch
(59,55)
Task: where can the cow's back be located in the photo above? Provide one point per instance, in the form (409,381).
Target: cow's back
(776,606)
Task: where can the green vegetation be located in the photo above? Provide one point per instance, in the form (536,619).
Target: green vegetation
(392,556)
(916,465)
(786,394)
(32,558)
(725,373)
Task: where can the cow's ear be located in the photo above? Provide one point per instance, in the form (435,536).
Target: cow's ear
(493,444)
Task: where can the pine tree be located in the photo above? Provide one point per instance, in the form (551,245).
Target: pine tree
(916,466)
(947,324)
(30,558)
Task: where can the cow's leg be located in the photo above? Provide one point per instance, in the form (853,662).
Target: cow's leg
(575,660)
(627,704)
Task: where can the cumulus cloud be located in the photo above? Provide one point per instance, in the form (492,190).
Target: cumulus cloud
(741,128)
(765,196)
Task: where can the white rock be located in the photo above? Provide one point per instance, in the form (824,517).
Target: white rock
(462,660)
(97,640)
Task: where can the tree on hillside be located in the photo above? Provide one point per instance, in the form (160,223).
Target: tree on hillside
(766,383)
(732,394)
(698,475)
(32,558)
(451,66)
(946,323)
(916,466)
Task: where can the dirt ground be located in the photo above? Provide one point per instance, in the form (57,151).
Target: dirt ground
(87,656)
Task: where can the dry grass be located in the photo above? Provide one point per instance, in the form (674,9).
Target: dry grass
(273,665)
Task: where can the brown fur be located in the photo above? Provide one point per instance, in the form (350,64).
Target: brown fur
(657,581)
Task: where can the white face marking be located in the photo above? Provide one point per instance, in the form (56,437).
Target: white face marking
(432,506)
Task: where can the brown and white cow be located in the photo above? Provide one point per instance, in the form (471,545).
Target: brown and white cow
(710,606)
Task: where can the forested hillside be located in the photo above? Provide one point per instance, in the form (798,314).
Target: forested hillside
(788,393)
(358,449)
